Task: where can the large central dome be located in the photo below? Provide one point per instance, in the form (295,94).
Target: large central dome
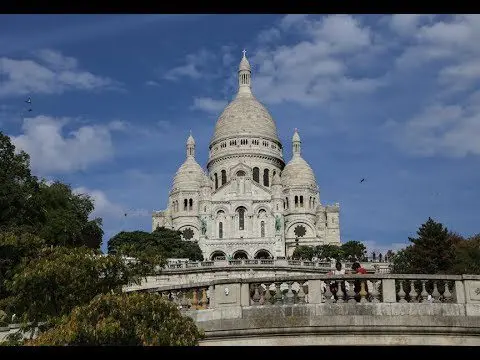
(245,115)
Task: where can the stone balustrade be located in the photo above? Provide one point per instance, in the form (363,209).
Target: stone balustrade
(327,289)
(325,265)
(308,309)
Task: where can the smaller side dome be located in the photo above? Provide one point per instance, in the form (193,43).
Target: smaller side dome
(298,173)
(276,180)
(189,176)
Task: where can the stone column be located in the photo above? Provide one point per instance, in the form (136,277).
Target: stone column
(388,289)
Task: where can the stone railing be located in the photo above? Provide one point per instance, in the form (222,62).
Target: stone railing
(325,265)
(326,289)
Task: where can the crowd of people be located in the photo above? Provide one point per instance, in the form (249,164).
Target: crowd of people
(357,268)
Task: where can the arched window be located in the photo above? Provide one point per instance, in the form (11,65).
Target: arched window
(204,209)
(216,181)
(262,229)
(185,203)
(256,174)
(220,230)
(224,177)
(190,204)
(265,177)
(296,201)
(286,203)
(240,173)
(241,218)
(301,200)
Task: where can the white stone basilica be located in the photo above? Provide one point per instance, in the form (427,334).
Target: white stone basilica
(250,204)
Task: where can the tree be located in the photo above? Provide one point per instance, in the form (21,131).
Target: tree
(467,256)
(402,261)
(329,251)
(123,319)
(432,251)
(17,186)
(354,250)
(52,212)
(163,242)
(65,219)
(15,246)
(58,279)
(389,255)
(304,252)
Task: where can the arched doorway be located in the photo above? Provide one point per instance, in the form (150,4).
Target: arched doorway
(240,254)
(263,254)
(218,255)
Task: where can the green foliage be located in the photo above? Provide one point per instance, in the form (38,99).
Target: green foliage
(354,250)
(402,261)
(467,256)
(329,251)
(304,252)
(437,251)
(162,242)
(52,212)
(17,186)
(126,319)
(432,251)
(15,247)
(3,318)
(61,278)
(65,217)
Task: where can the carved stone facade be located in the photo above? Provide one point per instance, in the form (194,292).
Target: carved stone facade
(249,204)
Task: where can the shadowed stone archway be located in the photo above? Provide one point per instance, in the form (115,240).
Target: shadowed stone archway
(218,254)
(240,254)
(263,254)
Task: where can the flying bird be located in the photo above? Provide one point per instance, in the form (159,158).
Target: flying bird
(28,101)
(362,181)
(29,110)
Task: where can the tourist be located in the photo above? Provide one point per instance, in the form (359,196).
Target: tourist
(357,268)
(334,285)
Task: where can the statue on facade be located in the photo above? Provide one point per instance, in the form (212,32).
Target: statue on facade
(204,226)
(278,223)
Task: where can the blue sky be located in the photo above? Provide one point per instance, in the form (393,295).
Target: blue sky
(392,99)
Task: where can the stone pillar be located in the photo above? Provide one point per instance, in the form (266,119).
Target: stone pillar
(227,295)
(459,292)
(314,291)
(388,289)
(245,295)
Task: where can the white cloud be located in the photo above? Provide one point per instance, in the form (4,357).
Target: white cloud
(152,83)
(196,66)
(104,208)
(449,124)
(449,130)
(315,69)
(293,20)
(53,151)
(268,35)
(56,75)
(406,24)
(209,105)
(452,41)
